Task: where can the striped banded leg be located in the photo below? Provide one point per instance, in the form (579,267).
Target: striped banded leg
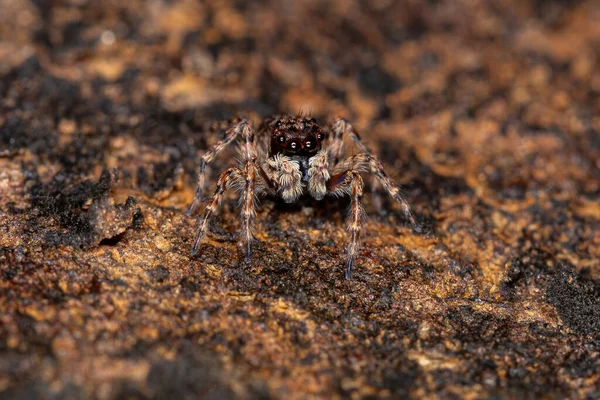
(366,160)
(230,135)
(249,154)
(231,177)
(248,207)
(341,128)
(350,183)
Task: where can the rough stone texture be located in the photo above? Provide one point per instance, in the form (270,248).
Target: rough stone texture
(486,111)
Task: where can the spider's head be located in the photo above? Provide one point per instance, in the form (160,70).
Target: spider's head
(299,136)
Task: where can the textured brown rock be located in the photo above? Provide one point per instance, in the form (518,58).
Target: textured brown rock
(486,112)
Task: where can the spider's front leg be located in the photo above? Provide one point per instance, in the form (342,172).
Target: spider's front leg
(350,183)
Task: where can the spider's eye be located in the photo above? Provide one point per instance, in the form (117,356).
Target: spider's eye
(294,145)
(308,144)
(320,136)
(281,139)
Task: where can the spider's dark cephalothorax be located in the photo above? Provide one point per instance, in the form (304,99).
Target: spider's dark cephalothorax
(290,157)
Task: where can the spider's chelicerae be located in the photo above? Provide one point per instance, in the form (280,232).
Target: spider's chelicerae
(289,157)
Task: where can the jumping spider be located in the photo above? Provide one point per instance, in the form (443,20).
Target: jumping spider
(293,157)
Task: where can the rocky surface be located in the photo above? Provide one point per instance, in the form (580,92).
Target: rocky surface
(486,112)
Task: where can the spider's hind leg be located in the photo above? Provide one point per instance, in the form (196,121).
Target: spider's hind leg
(230,135)
(231,177)
(244,181)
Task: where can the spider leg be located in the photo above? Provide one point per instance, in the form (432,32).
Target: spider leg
(362,161)
(244,180)
(231,177)
(269,184)
(350,183)
(266,180)
(341,128)
(230,135)
(248,206)
(250,155)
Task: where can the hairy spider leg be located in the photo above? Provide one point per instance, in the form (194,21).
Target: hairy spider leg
(342,128)
(243,180)
(249,197)
(350,183)
(230,135)
(232,177)
(361,161)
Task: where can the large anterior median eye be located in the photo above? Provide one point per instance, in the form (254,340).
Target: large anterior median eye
(308,145)
(293,145)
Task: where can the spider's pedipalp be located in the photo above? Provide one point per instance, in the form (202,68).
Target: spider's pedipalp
(230,135)
(286,173)
(232,177)
(318,175)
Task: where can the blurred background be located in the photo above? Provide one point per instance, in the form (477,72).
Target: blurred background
(445,78)
(487,112)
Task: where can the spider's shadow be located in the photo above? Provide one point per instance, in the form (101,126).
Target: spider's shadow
(338,207)
(326,208)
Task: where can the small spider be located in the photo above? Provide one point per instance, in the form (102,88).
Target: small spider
(294,157)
